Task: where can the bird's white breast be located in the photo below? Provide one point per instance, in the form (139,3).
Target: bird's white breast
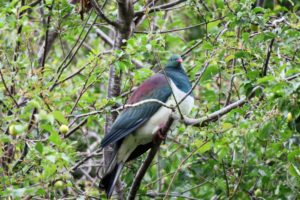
(144,134)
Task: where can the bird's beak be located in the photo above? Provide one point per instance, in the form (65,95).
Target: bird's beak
(179,60)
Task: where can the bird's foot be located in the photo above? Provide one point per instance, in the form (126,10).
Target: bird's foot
(159,135)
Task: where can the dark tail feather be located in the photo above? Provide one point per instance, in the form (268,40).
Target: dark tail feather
(109,180)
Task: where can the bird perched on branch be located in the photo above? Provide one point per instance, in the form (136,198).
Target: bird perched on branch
(136,128)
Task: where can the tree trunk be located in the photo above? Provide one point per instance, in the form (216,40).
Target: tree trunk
(123,31)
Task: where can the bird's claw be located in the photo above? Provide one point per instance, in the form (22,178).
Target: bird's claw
(159,136)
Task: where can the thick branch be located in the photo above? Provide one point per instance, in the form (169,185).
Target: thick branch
(142,171)
(203,121)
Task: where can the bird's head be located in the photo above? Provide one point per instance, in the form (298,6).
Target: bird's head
(174,61)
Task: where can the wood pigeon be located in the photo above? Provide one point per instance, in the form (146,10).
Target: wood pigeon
(135,128)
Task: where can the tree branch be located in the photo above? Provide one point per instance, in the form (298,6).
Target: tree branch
(101,14)
(7,90)
(142,170)
(292,77)
(178,29)
(159,8)
(217,114)
(265,68)
(43,58)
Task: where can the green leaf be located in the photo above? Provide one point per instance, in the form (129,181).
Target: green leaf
(294,171)
(23,8)
(205,147)
(54,137)
(39,147)
(59,117)
(229,58)
(266,79)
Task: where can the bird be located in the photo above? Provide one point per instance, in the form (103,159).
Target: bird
(134,130)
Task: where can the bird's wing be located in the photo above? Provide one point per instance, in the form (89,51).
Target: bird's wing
(156,87)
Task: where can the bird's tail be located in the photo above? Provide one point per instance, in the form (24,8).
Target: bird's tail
(109,180)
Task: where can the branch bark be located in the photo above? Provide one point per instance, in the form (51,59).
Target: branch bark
(142,170)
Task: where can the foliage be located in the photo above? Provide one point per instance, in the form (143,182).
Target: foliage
(251,152)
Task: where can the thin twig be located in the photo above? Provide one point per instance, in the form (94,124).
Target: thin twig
(101,14)
(230,89)
(180,167)
(292,77)
(84,87)
(72,57)
(26,147)
(265,67)
(226,179)
(79,163)
(178,29)
(184,54)
(8,91)
(123,107)
(159,8)
(75,128)
(81,69)
(74,46)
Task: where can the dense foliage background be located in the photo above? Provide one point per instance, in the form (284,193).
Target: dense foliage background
(252,152)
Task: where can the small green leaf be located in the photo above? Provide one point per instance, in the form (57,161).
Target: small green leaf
(59,117)
(229,58)
(23,8)
(54,137)
(205,147)
(294,171)
(39,147)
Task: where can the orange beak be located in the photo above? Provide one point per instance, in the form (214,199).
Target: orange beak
(179,60)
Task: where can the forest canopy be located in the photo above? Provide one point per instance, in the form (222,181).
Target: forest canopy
(67,69)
